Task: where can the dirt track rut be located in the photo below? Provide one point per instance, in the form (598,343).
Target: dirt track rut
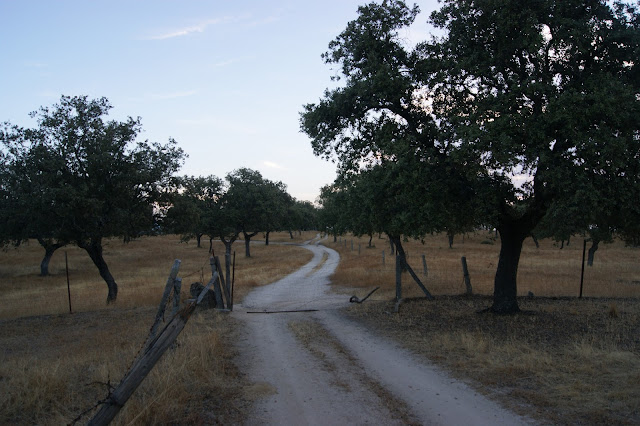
(319,368)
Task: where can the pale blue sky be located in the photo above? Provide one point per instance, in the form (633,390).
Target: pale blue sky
(226,79)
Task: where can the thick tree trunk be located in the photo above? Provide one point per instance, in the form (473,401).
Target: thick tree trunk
(247,243)
(266,238)
(335,238)
(592,251)
(505,288)
(228,244)
(198,239)
(291,234)
(450,236)
(49,249)
(94,249)
(370,239)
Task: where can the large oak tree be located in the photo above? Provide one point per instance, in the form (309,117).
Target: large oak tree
(523,103)
(88,178)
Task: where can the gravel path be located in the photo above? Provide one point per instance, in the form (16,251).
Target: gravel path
(319,368)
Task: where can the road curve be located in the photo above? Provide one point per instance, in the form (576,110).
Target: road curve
(335,371)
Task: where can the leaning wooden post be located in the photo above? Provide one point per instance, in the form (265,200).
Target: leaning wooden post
(66,265)
(465,272)
(584,250)
(225,289)
(424,266)
(177,287)
(216,284)
(165,297)
(145,362)
(227,266)
(398,278)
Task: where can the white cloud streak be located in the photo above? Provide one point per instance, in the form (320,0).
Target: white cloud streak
(198,28)
(273,165)
(173,95)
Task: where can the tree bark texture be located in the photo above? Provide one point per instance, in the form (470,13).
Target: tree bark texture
(266,238)
(247,243)
(505,288)
(94,249)
(592,251)
(228,243)
(49,249)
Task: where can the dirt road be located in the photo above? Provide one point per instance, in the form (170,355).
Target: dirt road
(319,368)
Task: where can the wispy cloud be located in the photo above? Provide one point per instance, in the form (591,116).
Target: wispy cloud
(197,28)
(173,95)
(36,65)
(224,63)
(273,165)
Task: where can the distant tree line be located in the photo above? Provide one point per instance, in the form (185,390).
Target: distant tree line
(244,204)
(78,178)
(522,116)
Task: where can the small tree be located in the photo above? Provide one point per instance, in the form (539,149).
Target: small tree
(192,199)
(97,181)
(254,204)
(28,187)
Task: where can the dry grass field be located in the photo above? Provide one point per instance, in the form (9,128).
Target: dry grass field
(564,360)
(53,365)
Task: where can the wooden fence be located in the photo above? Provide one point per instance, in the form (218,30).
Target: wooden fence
(157,343)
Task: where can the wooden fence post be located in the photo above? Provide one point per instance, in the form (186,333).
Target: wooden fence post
(66,265)
(465,272)
(177,287)
(223,284)
(398,277)
(382,257)
(165,297)
(146,361)
(424,266)
(216,284)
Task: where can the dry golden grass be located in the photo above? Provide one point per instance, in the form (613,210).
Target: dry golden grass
(547,271)
(53,365)
(140,268)
(563,360)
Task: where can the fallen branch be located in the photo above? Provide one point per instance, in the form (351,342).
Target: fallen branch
(355,299)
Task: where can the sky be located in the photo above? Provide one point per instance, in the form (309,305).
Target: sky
(226,79)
